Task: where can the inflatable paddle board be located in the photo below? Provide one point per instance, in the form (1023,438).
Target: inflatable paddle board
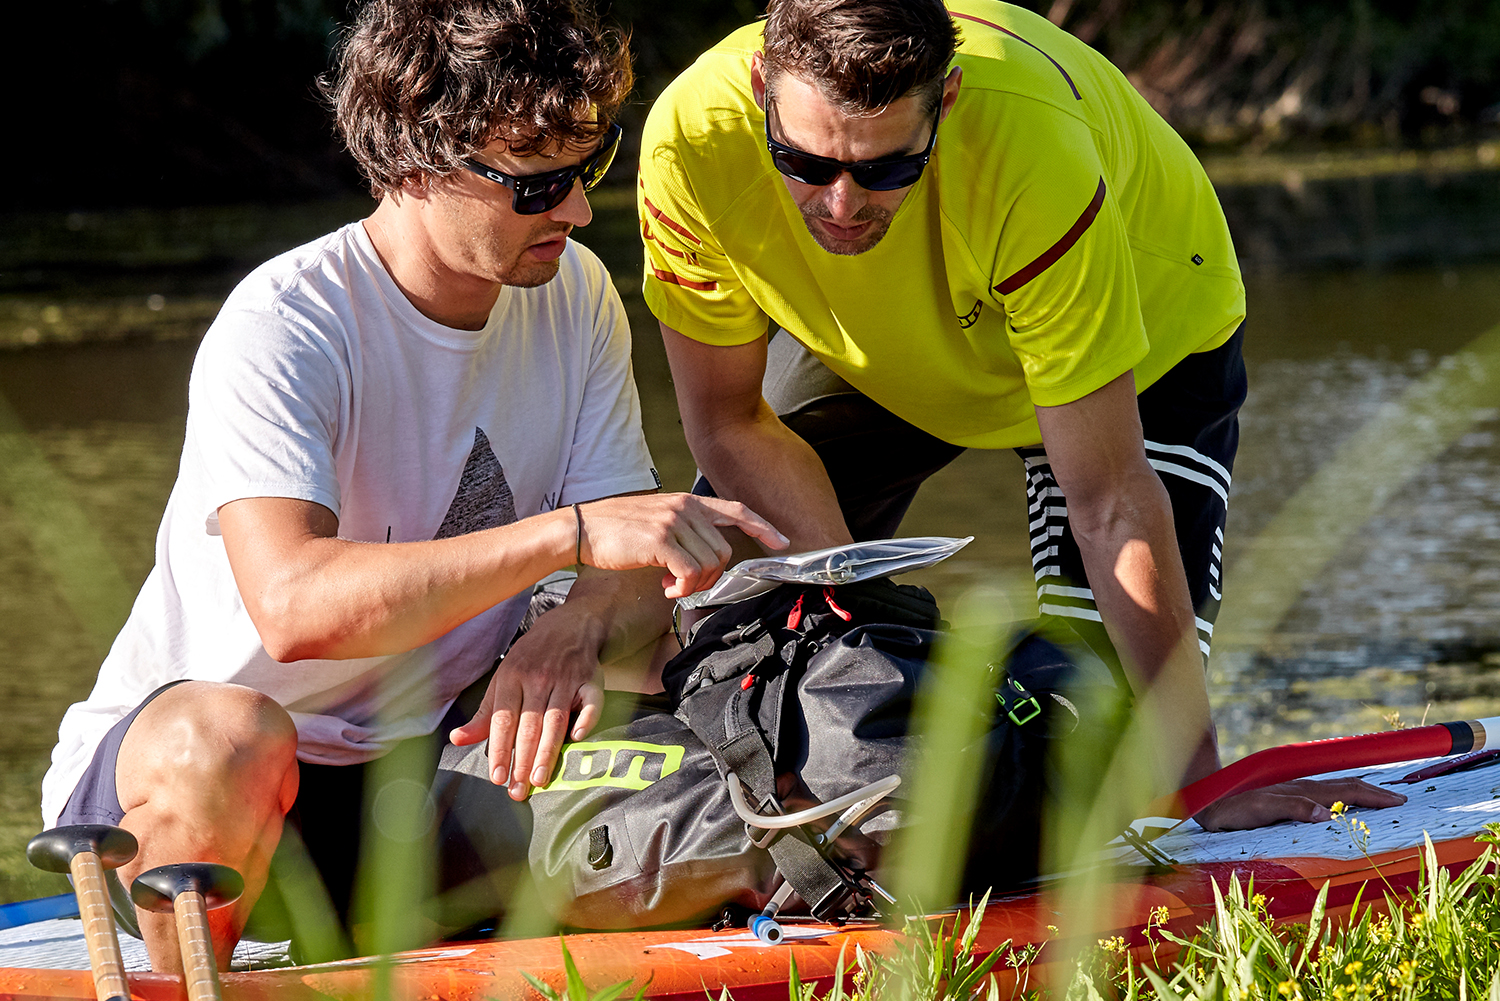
(1289,864)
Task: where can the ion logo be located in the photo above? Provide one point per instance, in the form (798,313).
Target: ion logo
(621,764)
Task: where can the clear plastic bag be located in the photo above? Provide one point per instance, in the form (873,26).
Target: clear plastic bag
(837,565)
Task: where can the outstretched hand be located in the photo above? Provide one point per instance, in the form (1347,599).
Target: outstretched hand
(677,532)
(1305,800)
(548,674)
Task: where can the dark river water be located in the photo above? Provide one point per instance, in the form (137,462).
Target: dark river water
(1388,601)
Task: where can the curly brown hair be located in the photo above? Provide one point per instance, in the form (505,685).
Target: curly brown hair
(419,85)
(862,55)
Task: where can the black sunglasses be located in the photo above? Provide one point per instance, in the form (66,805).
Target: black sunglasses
(884,174)
(533,194)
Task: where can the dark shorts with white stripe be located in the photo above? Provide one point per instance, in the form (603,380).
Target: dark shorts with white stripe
(877,461)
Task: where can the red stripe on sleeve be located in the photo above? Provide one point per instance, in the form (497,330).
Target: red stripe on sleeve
(672,279)
(648,235)
(1051,254)
(656,213)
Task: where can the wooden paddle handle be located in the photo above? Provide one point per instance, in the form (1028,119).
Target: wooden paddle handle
(200,970)
(99,927)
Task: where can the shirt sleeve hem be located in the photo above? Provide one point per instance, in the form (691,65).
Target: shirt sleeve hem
(1099,375)
(671,316)
(582,493)
(283,491)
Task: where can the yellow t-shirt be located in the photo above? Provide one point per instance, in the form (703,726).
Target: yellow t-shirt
(1061,235)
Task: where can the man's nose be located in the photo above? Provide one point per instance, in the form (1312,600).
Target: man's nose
(575,208)
(844,198)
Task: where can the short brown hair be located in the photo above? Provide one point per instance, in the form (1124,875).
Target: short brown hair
(419,85)
(861,54)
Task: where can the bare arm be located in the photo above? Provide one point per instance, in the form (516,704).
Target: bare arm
(1122,518)
(742,446)
(314,595)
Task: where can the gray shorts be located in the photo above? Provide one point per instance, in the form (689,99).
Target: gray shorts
(96,801)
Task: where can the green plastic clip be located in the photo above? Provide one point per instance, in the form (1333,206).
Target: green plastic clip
(1024,709)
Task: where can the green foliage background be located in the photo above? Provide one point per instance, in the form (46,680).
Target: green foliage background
(171,102)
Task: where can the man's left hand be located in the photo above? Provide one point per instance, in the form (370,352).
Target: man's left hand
(1306,800)
(550,672)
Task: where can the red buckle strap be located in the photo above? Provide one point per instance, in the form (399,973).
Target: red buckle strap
(794,617)
(834,606)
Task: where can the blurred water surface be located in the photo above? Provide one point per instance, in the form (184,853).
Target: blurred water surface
(1405,618)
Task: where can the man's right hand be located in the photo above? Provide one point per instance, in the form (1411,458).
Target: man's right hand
(677,532)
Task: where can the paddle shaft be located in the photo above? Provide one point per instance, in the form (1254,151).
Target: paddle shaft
(200,970)
(1314,757)
(98,927)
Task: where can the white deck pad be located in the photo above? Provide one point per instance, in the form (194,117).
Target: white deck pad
(58,945)
(1446,807)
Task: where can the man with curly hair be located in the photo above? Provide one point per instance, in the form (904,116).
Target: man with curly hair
(394,432)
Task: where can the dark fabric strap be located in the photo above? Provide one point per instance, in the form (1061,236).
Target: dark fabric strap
(721,716)
(811,875)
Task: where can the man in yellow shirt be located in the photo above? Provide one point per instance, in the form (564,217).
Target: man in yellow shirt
(971,232)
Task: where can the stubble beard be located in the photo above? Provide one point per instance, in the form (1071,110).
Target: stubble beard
(815,210)
(531,274)
(527,272)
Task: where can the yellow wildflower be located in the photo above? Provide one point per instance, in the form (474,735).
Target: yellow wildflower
(1115,945)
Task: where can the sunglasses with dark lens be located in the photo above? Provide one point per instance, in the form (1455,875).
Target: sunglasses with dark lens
(533,194)
(884,174)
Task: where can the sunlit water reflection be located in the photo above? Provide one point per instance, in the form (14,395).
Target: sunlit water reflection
(1408,613)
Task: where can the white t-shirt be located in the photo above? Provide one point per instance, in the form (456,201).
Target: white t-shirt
(320,381)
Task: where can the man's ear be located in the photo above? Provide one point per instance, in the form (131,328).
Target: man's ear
(416,186)
(758,80)
(951,85)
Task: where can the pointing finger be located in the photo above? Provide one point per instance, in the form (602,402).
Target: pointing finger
(736,514)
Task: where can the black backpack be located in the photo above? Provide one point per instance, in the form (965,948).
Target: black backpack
(809,687)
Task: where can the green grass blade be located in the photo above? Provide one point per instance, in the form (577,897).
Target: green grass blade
(576,990)
(1163,990)
(541,988)
(1314,926)
(929,853)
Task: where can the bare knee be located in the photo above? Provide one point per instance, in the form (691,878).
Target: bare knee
(204,739)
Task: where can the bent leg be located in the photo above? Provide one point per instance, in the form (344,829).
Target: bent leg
(206,773)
